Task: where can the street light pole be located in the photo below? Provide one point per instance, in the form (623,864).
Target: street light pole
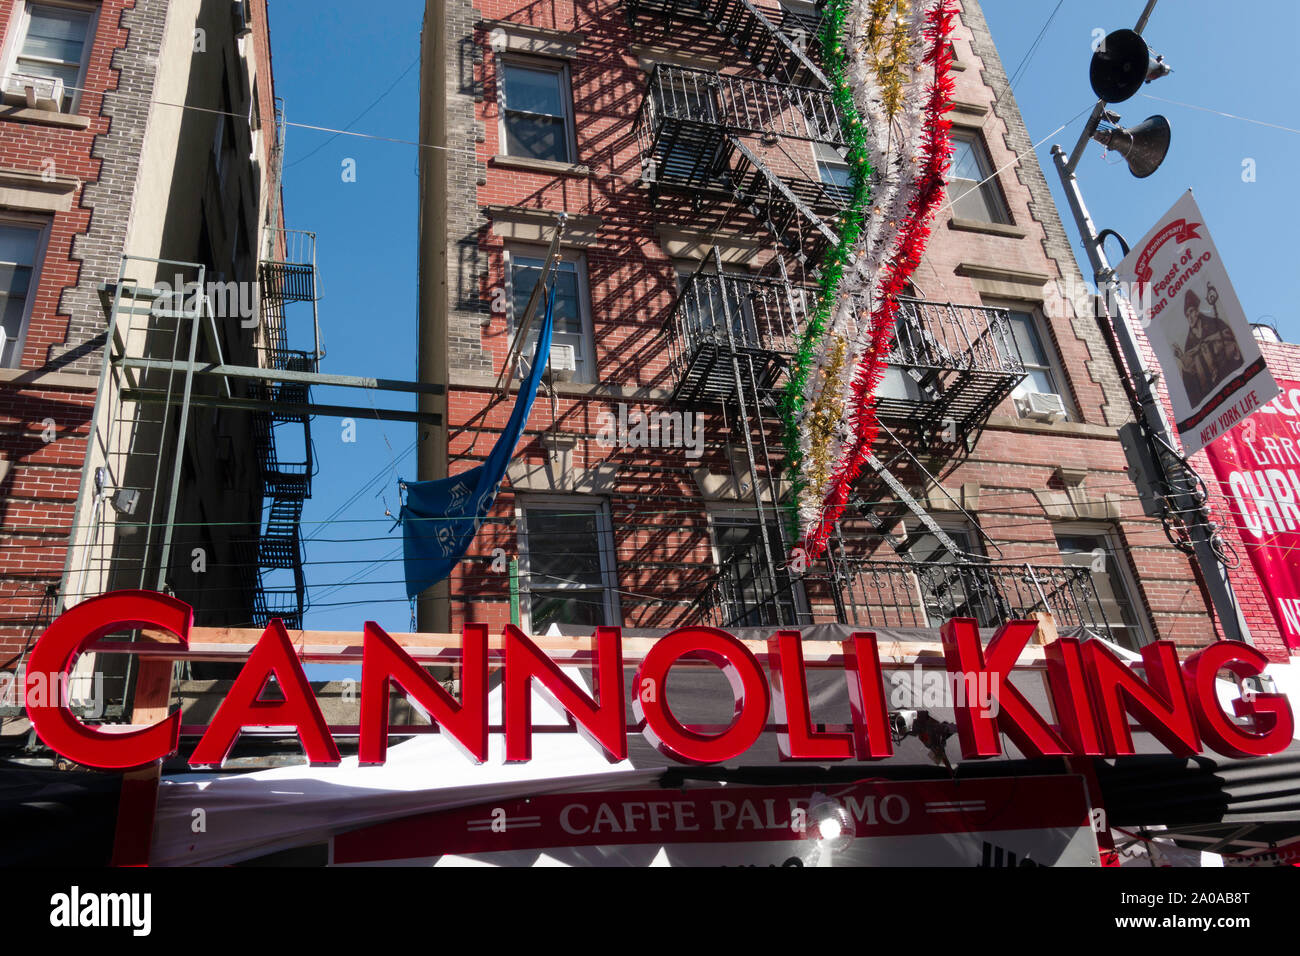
(1149,408)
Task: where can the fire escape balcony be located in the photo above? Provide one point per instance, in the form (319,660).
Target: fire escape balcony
(776,42)
(866,592)
(950,366)
(728,140)
(721,317)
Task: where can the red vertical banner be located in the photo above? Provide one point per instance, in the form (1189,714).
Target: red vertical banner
(1258,468)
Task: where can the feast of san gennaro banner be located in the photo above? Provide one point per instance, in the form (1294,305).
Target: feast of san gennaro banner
(1258,467)
(1214,371)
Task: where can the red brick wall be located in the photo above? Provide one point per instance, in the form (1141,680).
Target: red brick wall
(38,494)
(659,521)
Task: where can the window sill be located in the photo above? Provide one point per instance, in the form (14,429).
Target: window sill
(22,114)
(1004,422)
(991,228)
(541,165)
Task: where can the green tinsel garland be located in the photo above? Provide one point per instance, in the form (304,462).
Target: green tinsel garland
(851,221)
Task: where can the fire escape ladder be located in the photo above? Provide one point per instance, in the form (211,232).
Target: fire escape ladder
(282,432)
(907,503)
(766,45)
(773,201)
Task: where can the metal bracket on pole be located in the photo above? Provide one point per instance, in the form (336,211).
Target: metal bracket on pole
(1148,408)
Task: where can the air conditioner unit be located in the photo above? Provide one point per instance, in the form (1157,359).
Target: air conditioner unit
(1041,407)
(564,363)
(36,92)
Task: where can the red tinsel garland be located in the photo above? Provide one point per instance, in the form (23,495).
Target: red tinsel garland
(914,232)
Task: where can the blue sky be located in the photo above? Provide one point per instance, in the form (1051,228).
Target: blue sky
(331,65)
(1234,58)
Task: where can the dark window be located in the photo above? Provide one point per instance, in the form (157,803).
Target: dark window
(747,598)
(1119,612)
(566,566)
(18,250)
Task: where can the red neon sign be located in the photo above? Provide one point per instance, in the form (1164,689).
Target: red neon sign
(1093,694)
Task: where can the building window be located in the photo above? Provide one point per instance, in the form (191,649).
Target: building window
(972,188)
(745,585)
(1041,374)
(833,170)
(950,586)
(1097,550)
(536,111)
(801,22)
(566,564)
(572,315)
(51,43)
(20,245)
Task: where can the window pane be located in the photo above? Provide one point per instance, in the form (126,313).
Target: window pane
(525,271)
(897,384)
(965,162)
(14,280)
(1117,609)
(17,245)
(534,91)
(537,137)
(563,549)
(56,34)
(1025,330)
(584,608)
(971,201)
(11,314)
(17,255)
(970,195)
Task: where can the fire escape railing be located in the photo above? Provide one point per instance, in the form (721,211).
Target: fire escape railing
(764,34)
(721,139)
(960,363)
(743,104)
(866,592)
(718,315)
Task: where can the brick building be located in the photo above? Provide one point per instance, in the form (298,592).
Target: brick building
(1003,488)
(138,152)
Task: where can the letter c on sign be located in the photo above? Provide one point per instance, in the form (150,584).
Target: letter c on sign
(749,689)
(60,645)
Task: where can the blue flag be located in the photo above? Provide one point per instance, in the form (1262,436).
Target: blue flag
(440,518)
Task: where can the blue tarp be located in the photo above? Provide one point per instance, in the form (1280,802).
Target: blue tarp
(440,518)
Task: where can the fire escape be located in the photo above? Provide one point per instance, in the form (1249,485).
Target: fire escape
(282,428)
(728,147)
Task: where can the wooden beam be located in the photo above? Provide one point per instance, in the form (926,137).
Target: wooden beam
(235,643)
(138,800)
(1045,633)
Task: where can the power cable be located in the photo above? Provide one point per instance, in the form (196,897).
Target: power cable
(348,126)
